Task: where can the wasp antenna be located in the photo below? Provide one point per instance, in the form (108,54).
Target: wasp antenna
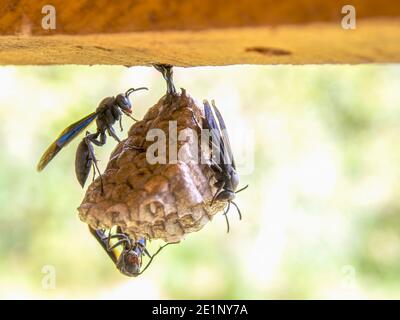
(215,195)
(153,256)
(238,210)
(227,223)
(226,216)
(129,91)
(146,252)
(244,188)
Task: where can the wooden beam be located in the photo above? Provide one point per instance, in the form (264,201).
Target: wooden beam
(196,33)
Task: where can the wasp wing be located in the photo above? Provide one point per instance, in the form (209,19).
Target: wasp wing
(225,138)
(216,138)
(218,132)
(102,238)
(64,138)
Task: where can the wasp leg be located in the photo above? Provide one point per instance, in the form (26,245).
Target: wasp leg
(101,136)
(196,122)
(120,242)
(137,148)
(102,239)
(89,139)
(122,238)
(94,172)
(143,249)
(244,188)
(167,73)
(119,230)
(238,210)
(117,235)
(153,256)
(226,216)
(113,134)
(215,166)
(217,193)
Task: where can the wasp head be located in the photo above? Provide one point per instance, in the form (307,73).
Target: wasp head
(225,195)
(129,263)
(123,102)
(234,179)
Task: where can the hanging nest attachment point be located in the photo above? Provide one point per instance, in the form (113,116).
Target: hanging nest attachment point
(160,200)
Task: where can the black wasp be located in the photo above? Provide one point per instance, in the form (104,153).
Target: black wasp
(109,111)
(222,161)
(129,260)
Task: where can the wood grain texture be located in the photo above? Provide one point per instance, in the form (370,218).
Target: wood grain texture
(198,32)
(108,16)
(374,41)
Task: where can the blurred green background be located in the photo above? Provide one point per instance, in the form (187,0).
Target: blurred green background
(319,146)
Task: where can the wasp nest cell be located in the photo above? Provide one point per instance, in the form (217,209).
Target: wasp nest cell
(156,200)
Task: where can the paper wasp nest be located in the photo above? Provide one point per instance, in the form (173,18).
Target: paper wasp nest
(155,201)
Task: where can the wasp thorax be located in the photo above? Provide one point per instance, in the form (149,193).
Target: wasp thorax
(150,198)
(106,102)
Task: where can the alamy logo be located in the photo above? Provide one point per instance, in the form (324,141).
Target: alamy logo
(208,148)
(349,20)
(49,20)
(49,278)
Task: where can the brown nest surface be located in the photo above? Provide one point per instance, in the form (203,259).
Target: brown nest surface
(156,201)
